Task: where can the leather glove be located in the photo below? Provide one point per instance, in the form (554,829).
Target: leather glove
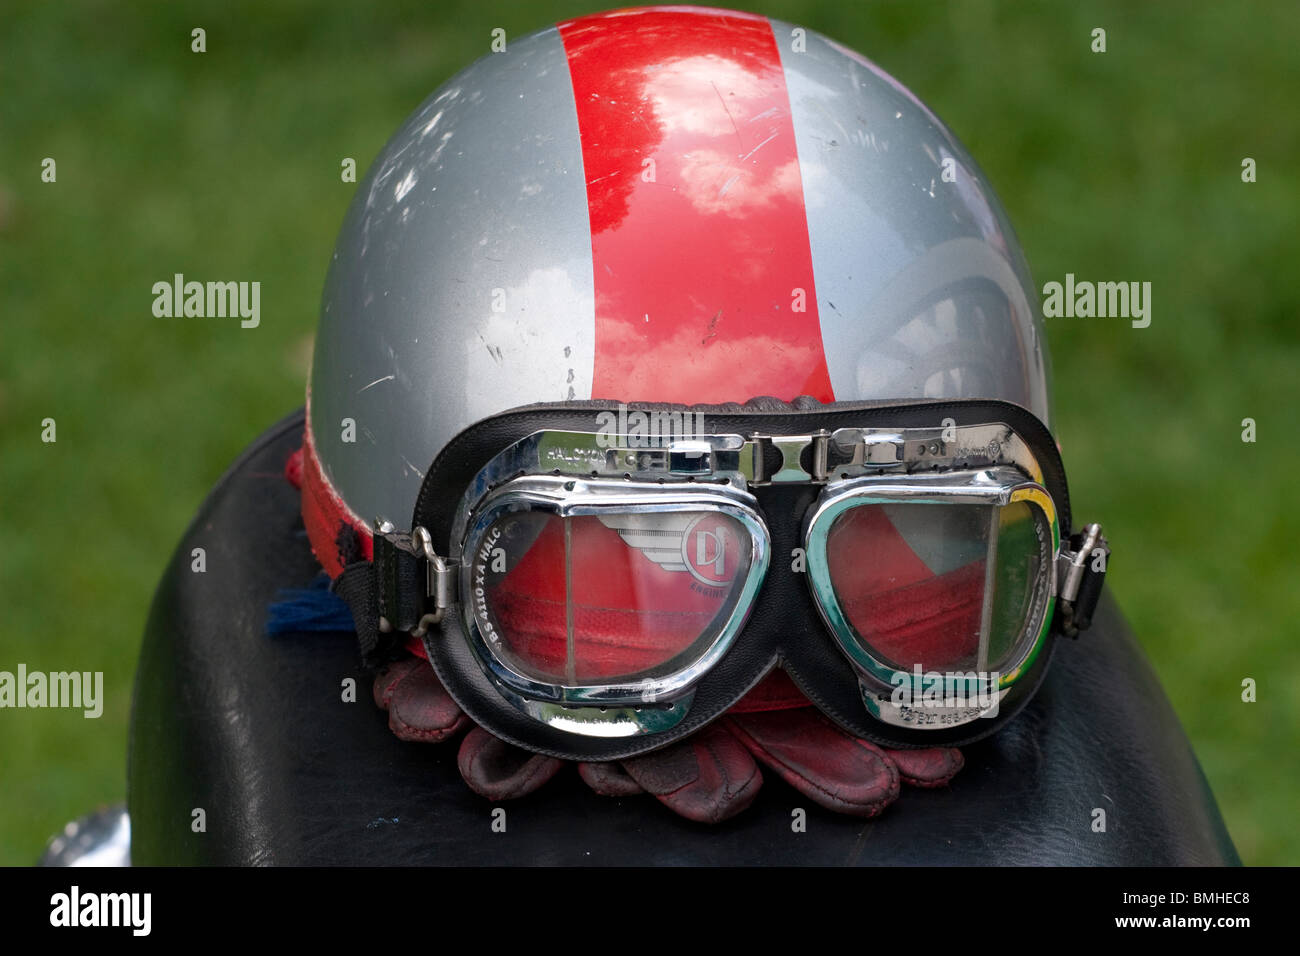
(709,776)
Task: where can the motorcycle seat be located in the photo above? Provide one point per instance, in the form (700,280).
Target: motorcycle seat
(254,731)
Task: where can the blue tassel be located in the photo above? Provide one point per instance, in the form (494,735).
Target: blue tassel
(313,608)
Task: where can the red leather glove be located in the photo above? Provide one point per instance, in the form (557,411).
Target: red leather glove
(709,776)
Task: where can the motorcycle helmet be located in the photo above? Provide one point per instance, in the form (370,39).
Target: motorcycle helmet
(669,348)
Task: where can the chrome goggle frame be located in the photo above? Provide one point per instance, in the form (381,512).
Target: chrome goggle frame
(995,488)
(600,709)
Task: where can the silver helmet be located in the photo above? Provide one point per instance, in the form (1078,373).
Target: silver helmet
(677,208)
(582,216)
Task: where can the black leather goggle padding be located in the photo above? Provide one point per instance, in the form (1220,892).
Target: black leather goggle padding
(783,627)
(453,661)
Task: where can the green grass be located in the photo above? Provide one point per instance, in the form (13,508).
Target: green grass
(1124,165)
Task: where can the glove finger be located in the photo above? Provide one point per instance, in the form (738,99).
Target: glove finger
(932,767)
(708,777)
(419,708)
(609,779)
(821,761)
(389,676)
(500,771)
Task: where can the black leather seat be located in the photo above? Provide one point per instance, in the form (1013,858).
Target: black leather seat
(252,729)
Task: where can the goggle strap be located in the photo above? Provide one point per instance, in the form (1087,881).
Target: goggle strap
(356,585)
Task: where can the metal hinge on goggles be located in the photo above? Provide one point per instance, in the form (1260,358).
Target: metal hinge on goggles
(599,578)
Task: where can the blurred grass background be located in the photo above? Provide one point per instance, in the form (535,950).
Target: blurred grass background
(1124,165)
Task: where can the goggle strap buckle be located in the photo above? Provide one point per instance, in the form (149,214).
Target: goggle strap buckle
(414,585)
(1081,571)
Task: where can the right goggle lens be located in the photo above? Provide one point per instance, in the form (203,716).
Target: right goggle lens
(942,587)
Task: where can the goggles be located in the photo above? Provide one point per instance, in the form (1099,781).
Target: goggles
(610,581)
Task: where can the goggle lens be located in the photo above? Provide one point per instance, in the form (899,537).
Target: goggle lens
(943,587)
(627,597)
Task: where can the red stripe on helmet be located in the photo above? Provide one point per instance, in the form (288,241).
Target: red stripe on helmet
(703,269)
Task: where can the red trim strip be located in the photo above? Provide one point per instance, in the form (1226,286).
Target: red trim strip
(703,269)
(324,513)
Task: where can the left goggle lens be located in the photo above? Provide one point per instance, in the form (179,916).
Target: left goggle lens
(610,598)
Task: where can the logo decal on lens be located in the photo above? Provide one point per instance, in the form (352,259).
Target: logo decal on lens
(711,550)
